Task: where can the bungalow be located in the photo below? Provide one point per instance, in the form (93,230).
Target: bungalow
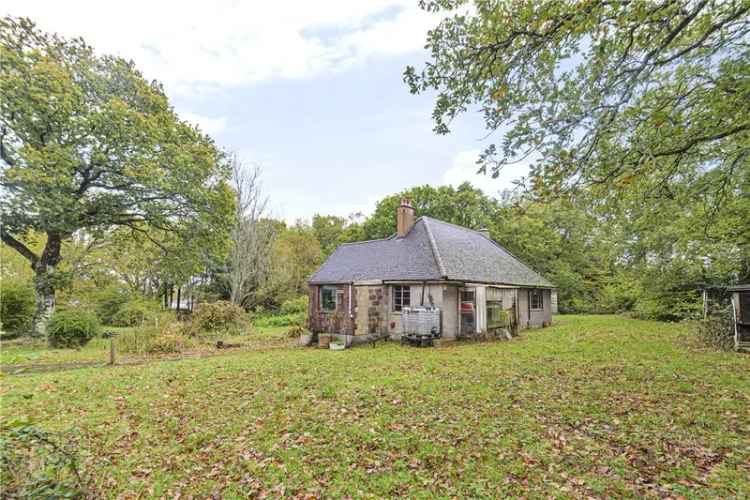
(364,289)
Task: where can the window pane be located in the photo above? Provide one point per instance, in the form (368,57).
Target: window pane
(495,315)
(536,299)
(328,298)
(401,297)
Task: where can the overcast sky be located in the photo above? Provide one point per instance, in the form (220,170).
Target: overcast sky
(311,91)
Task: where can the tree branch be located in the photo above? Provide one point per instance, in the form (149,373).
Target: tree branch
(19,247)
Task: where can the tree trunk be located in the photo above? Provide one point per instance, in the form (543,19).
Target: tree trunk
(179,298)
(45,301)
(45,283)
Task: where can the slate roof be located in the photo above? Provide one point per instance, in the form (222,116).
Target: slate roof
(432,250)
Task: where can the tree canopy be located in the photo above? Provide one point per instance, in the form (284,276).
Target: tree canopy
(87,144)
(602,95)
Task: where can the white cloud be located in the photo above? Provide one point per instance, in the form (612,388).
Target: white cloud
(464,168)
(210,126)
(191,46)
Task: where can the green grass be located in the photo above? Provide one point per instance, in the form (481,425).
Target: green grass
(23,353)
(595,405)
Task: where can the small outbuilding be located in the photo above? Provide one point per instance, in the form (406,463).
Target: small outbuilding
(741,310)
(364,290)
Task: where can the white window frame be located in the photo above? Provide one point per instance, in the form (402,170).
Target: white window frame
(334,289)
(399,307)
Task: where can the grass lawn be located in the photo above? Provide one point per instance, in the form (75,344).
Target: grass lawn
(24,355)
(595,405)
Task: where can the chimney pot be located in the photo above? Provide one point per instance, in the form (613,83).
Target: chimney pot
(405,217)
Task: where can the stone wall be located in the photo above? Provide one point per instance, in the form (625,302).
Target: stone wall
(340,320)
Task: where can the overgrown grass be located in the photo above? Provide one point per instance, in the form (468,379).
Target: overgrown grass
(593,406)
(131,344)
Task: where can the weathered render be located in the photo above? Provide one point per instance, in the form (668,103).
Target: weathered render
(360,289)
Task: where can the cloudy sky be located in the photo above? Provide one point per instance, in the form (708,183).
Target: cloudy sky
(311,91)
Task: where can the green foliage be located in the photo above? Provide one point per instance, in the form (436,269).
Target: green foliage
(88,144)
(606,96)
(278,320)
(668,305)
(135,312)
(72,328)
(331,231)
(295,306)
(465,205)
(16,306)
(218,317)
(35,463)
(296,255)
(108,303)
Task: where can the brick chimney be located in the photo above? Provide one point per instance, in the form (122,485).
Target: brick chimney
(404,217)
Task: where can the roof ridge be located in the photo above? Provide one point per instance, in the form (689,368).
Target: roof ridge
(452,224)
(433,246)
(520,261)
(498,245)
(363,241)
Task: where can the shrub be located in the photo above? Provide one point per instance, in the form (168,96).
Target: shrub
(218,317)
(280,320)
(72,328)
(16,306)
(137,340)
(168,343)
(718,330)
(668,305)
(108,303)
(295,306)
(152,340)
(134,313)
(295,331)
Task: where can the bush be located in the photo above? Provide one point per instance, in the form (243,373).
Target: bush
(17,305)
(218,317)
(152,340)
(137,340)
(72,328)
(718,331)
(168,343)
(108,303)
(134,313)
(295,306)
(296,331)
(668,305)
(280,320)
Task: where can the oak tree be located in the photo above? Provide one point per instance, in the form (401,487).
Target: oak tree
(87,144)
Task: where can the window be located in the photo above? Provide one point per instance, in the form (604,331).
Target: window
(496,317)
(536,299)
(467,308)
(401,297)
(328,298)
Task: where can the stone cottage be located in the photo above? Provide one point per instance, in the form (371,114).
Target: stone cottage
(362,288)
